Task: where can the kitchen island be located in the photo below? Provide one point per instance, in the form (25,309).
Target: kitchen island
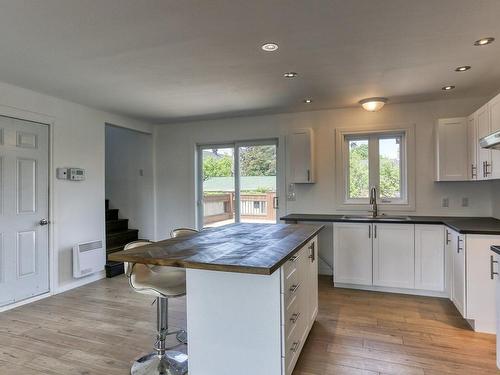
(251,294)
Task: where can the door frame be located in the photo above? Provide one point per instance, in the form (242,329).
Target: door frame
(235,145)
(49,121)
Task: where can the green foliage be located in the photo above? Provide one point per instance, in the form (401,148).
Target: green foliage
(217,166)
(359,184)
(258,161)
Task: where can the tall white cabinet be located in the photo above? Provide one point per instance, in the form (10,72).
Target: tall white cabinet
(301,151)
(451,142)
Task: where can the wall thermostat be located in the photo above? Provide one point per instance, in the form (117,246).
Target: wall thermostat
(72,174)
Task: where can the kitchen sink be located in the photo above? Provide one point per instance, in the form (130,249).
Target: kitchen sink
(379,217)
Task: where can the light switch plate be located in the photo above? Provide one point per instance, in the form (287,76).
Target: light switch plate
(445,202)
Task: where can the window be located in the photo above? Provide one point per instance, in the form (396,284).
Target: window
(375,159)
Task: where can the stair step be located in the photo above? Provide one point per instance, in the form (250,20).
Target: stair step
(114,268)
(112,214)
(106,204)
(116,225)
(121,238)
(114,249)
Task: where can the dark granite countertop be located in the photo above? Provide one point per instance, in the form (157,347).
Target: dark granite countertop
(495,249)
(245,248)
(464,225)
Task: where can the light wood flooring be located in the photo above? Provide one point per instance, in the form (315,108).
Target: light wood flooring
(100,328)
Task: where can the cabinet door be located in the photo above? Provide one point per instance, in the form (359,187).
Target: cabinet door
(352,253)
(494,109)
(312,272)
(472,145)
(458,289)
(484,155)
(450,247)
(429,257)
(301,156)
(452,160)
(480,282)
(394,255)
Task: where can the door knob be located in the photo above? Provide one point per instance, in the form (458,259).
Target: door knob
(44,222)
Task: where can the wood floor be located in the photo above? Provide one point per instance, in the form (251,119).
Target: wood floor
(102,327)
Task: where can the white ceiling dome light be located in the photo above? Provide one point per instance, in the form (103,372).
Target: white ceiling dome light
(373,104)
(269,47)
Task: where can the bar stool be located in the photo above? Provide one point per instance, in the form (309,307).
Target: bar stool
(162,283)
(181,232)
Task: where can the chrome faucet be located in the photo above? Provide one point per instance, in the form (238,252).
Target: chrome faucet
(373,201)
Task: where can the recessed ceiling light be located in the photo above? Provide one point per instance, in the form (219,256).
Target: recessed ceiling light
(290,75)
(307,101)
(447,88)
(269,47)
(484,41)
(462,68)
(373,104)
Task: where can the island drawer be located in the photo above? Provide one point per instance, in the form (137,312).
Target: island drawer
(292,315)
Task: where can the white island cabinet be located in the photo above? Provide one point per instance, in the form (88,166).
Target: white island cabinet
(249,324)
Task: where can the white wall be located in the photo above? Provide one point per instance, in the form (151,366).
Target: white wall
(77,140)
(128,152)
(175,159)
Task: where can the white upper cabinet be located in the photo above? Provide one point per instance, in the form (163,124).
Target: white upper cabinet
(472,146)
(451,144)
(429,257)
(484,155)
(394,255)
(301,145)
(494,109)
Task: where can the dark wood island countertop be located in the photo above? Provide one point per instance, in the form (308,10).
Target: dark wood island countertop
(243,247)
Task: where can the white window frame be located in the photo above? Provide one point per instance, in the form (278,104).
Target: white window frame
(407,168)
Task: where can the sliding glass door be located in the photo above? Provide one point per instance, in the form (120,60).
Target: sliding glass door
(237,183)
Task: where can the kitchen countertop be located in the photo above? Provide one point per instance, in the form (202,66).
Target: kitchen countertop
(495,249)
(464,225)
(243,247)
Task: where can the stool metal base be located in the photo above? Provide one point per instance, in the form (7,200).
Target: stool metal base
(171,363)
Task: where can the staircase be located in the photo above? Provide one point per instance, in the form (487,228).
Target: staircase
(118,235)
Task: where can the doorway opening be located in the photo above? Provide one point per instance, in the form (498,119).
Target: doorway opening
(237,183)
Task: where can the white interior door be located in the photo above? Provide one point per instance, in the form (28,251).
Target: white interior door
(24,255)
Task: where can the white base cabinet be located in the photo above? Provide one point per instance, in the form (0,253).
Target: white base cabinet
(419,259)
(394,255)
(259,323)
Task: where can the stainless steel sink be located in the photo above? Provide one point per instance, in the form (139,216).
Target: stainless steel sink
(380,217)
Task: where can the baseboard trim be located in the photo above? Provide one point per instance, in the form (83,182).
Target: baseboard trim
(24,302)
(81,282)
(414,292)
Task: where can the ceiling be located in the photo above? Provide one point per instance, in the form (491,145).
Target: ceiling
(170,60)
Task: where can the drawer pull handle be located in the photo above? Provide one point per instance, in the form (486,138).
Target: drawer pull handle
(293,258)
(492,267)
(294,288)
(294,318)
(295,346)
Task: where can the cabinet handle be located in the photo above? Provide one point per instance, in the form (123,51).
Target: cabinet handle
(492,267)
(369,231)
(486,165)
(312,255)
(447,237)
(308,175)
(293,258)
(295,317)
(484,169)
(374,231)
(473,170)
(294,288)
(458,244)
(295,346)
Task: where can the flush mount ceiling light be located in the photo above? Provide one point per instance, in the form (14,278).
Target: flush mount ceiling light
(290,75)
(484,41)
(373,104)
(447,88)
(307,101)
(462,68)
(269,47)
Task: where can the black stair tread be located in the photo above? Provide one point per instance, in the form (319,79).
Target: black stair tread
(115,220)
(111,224)
(121,232)
(114,249)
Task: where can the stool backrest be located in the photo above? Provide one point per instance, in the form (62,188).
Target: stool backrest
(181,232)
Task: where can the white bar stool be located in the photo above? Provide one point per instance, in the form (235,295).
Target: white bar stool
(162,283)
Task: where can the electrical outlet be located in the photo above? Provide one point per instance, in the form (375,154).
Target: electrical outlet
(465,202)
(445,202)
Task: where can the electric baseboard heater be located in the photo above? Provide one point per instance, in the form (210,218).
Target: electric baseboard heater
(88,258)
